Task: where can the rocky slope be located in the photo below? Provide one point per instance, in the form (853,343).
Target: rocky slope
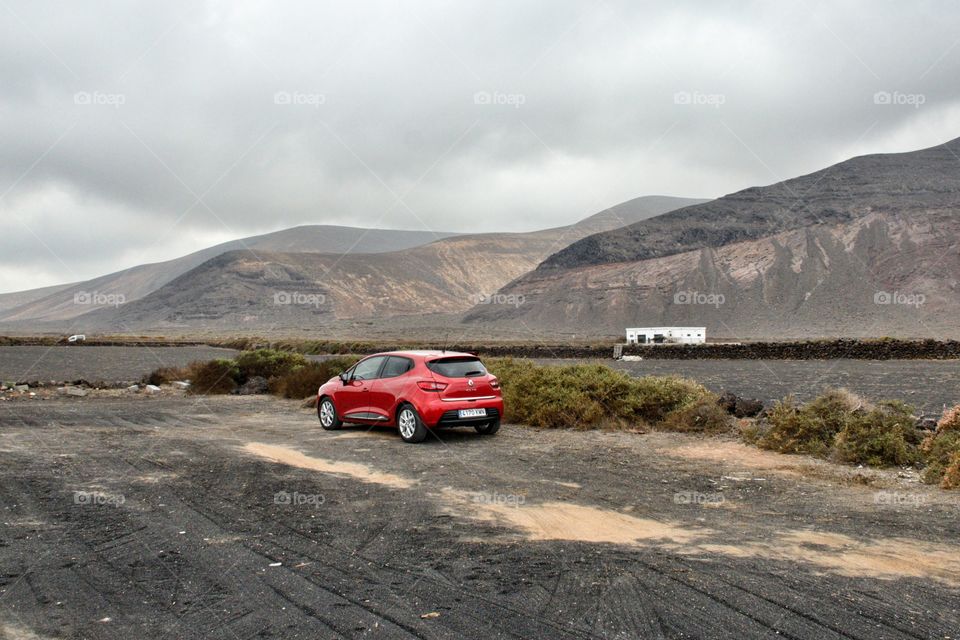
(866,247)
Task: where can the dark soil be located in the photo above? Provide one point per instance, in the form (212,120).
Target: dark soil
(108,364)
(184,532)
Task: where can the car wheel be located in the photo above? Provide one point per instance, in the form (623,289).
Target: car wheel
(489,428)
(327,413)
(410,425)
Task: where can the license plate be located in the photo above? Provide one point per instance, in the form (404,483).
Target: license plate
(472,413)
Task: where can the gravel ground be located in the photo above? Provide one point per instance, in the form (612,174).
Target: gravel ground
(173,517)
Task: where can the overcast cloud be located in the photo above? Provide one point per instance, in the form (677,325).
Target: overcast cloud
(137,132)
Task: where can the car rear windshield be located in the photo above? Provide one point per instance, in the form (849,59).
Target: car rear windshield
(460,367)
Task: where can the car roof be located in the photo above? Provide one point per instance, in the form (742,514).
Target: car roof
(428,354)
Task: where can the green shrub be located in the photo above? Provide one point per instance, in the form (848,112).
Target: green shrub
(215,376)
(750,431)
(834,406)
(812,428)
(268,363)
(658,396)
(941,450)
(841,424)
(304,381)
(884,436)
(702,416)
(588,395)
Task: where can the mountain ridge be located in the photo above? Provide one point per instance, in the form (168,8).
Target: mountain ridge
(57,302)
(862,229)
(237,289)
(737,216)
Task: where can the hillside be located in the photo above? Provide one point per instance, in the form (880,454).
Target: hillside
(17,298)
(56,304)
(299,291)
(918,181)
(867,247)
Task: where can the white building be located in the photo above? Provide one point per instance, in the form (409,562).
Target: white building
(667,335)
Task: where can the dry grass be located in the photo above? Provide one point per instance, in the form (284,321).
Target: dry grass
(213,377)
(702,416)
(942,451)
(166,375)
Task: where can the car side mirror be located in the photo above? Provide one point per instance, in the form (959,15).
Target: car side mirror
(345,377)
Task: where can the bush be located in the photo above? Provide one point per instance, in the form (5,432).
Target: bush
(268,363)
(166,375)
(810,429)
(842,424)
(951,476)
(659,396)
(215,376)
(883,436)
(588,396)
(304,381)
(941,450)
(703,416)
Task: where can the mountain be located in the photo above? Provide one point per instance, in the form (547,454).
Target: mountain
(272,291)
(57,303)
(17,298)
(866,247)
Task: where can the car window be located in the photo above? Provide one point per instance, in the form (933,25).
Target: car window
(458,367)
(367,369)
(396,366)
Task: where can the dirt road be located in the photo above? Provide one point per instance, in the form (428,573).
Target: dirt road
(168,517)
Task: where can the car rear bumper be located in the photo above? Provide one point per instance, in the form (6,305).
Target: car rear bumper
(446,414)
(452,418)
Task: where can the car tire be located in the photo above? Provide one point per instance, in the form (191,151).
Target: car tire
(327,413)
(488,428)
(410,425)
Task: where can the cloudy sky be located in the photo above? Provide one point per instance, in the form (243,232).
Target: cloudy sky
(136,132)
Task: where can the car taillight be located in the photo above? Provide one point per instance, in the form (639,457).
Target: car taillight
(494,384)
(432,385)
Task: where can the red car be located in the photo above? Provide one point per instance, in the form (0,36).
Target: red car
(415,391)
